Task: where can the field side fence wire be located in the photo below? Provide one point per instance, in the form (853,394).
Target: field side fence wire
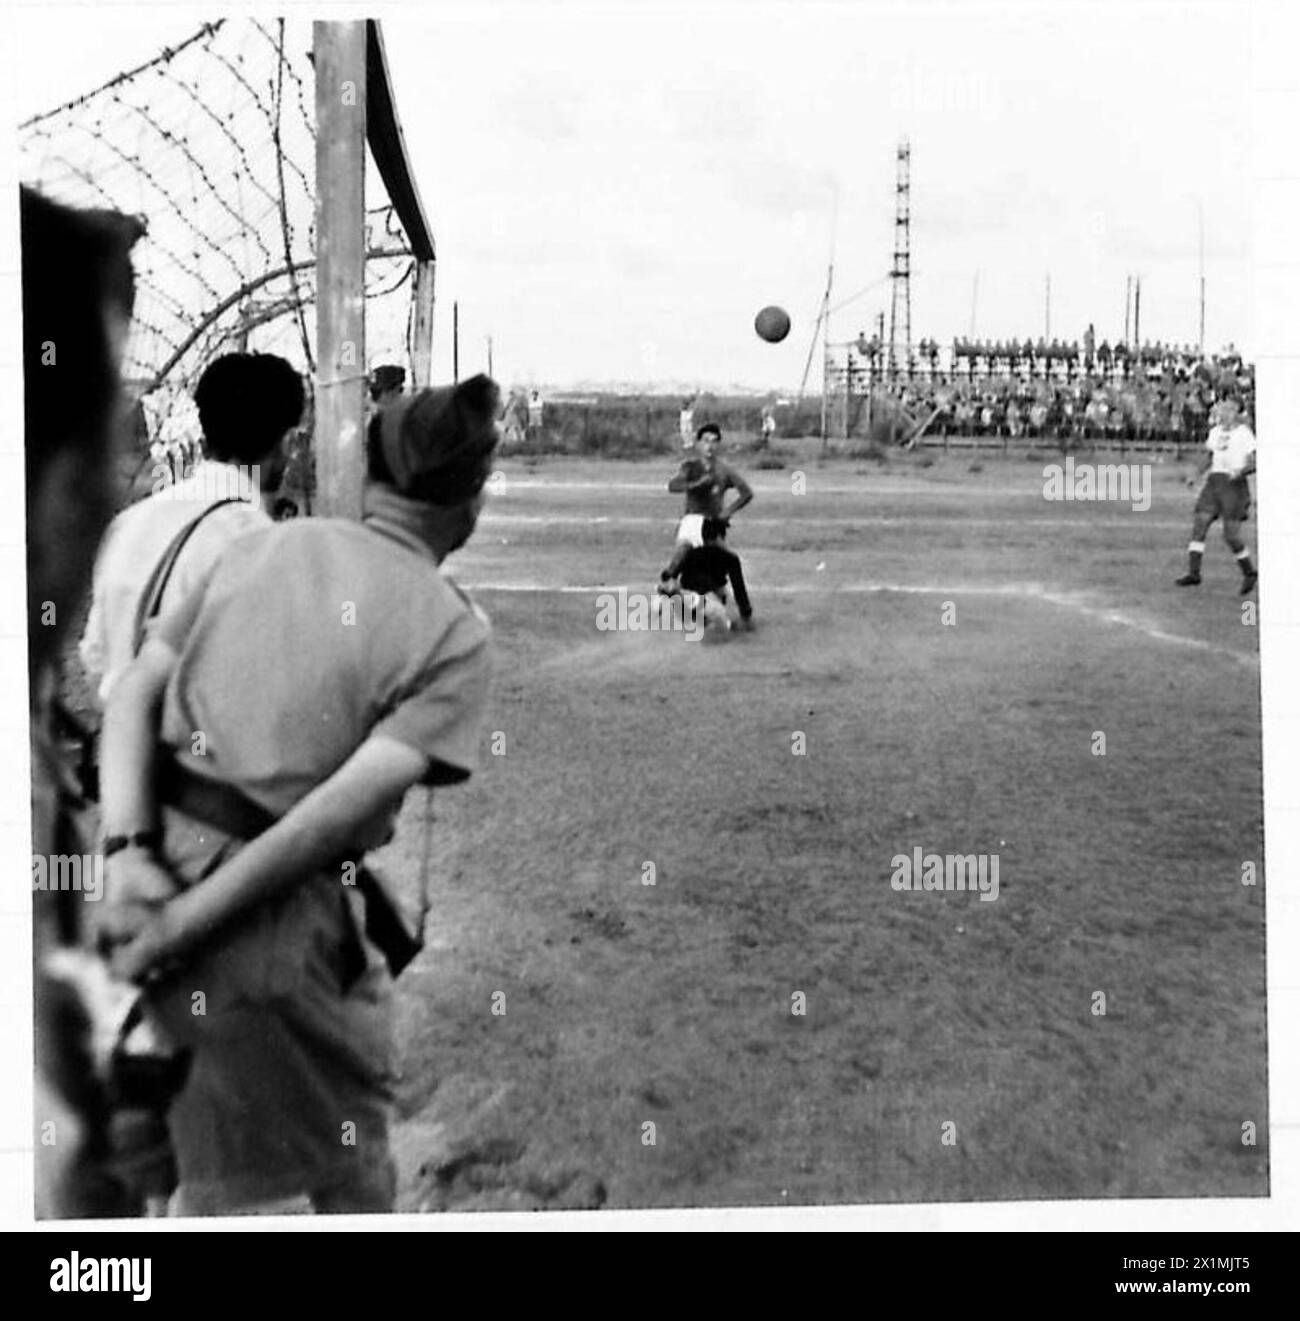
(212,144)
(629,427)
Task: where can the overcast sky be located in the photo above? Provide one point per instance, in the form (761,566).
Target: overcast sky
(617,189)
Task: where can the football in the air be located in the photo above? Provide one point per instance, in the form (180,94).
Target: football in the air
(772,324)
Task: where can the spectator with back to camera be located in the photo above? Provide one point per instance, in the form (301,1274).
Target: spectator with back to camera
(248,404)
(330,666)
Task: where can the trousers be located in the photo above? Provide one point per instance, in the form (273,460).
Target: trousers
(291,1086)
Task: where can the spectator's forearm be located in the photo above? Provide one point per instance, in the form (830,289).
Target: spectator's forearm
(128,746)
(327,826)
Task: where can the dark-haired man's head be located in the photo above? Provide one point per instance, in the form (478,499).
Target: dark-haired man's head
(708,438)
(78,290)
(386,383)
(435,448)
(712,530)
(248,403)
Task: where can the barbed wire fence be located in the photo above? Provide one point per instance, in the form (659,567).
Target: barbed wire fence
(212,144)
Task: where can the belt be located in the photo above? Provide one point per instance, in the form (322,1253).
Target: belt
(225,807)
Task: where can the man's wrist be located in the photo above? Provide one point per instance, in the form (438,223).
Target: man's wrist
(137,840)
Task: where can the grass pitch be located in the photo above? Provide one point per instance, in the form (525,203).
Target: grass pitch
(929,1016)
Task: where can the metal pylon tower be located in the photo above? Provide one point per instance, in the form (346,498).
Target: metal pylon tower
(900,311)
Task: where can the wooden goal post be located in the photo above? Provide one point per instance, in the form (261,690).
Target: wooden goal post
(355,111)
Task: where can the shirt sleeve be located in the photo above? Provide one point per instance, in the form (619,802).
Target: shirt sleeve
(94,645)
(442,716)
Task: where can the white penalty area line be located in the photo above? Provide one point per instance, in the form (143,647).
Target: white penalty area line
(490,518)
(1157,634)
(1026,591)
(500,488)
(787,589)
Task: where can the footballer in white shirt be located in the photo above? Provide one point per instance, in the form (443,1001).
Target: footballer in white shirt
(1225,493)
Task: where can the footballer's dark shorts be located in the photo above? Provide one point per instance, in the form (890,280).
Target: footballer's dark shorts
(1225,497)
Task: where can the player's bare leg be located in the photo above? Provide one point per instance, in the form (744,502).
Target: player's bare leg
(1249,574)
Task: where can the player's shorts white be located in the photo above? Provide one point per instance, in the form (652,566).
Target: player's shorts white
(691,529)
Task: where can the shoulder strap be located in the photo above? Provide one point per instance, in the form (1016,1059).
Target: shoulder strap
(151,596)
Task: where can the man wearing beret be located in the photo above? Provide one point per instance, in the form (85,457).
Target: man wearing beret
(263,739)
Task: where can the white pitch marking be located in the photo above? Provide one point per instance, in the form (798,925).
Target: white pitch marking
(1157,634)
(1029,591)
(883,489)
(644,520)
(787,589)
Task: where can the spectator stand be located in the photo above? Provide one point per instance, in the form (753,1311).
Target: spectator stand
(993,394)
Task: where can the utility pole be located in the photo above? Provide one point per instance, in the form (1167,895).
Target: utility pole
(826,349)
(1137,311)
(489,347)
(1200,217)
(455,342)
(1047,314)
(1128,303)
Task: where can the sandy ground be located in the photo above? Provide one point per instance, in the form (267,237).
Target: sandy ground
(950,1047)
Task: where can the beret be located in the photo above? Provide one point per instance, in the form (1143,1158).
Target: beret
(437,443)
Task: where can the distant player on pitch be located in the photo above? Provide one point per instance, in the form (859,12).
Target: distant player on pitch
(1230,459)
(705,480)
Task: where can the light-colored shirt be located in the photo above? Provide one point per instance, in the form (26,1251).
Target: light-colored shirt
(134,543)
(1230,448)
(308,638)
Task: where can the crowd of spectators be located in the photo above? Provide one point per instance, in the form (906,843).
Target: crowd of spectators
(1063,392)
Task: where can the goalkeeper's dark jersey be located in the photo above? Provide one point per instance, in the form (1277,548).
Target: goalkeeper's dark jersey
(706,568)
